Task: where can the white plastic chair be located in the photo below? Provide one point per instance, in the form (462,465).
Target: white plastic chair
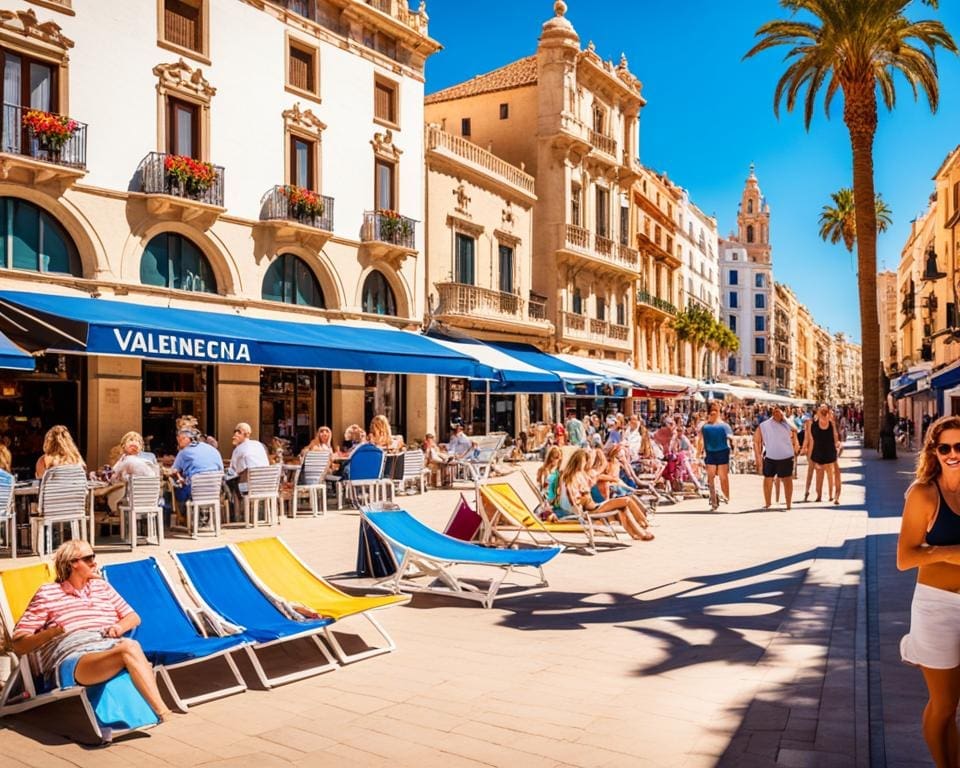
(142,500)
(263,492)
(204,494)
(413,470)
(313,483)
(8,515)
(63,499)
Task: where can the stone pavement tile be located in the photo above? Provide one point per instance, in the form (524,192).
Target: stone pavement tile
(417,715)
(746,761)
(575,754)
(764,743)
(43,759)
(134,757)
(764,716)
(344,756)
(254,760)
(796,758)
(299,739)
(523,722)
(487,752)
(799,726)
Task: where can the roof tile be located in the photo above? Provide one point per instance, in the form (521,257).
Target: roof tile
(513,75)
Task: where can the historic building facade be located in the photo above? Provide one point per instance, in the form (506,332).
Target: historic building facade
(887,312)
(806,359)
(785,337)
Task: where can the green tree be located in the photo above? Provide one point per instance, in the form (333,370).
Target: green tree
(856,47)
(839,221)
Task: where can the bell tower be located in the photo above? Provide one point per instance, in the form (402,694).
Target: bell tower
(753,221)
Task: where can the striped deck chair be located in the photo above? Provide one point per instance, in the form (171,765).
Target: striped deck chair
(171,635)
(223,589)
(423,553)
(278,571)
(112,708)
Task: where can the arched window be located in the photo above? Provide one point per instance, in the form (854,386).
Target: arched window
(34,241)
(378,296)
(749,206)
(172,261)
(291,281)
(750,233)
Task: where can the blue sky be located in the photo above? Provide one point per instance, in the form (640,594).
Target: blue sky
(709,115)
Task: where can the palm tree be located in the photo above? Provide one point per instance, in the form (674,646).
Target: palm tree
(839,221)
(857,46)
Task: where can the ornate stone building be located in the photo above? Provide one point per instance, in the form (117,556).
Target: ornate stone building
(785,313)
(887,312)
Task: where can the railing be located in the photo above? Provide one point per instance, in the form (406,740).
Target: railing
(437,138)
(537,310)
(619,332)
(463,299)
(574,322)
(599,327)
(20,140)
(628,254)
(578,237)
(400,10)
(155,180)
(379,226)
(603,143)
(603,247)
(645,297)
(276,205)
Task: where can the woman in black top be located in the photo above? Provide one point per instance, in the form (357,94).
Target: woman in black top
(821,445)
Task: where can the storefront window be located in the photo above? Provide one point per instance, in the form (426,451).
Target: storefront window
(291,281)
(33,241)
(386,394)
(293,403)
(171,391)
(172,261)
(378,295)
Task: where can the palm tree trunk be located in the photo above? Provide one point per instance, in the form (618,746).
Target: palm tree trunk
(860,116)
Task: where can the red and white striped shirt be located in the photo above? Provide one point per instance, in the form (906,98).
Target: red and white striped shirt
(95,606)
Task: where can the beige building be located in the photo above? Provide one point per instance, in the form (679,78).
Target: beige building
(849,375)
(887,312)
(826,384)
(806,359)
(785,312)
(919,302)
(479,258)
(570,119)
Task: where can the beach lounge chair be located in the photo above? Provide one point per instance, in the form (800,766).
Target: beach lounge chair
(171,635)
(423,553)
(508,519)
(277,570)
(112,708)
(225,592)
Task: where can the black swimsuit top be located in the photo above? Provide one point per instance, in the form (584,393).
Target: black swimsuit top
(946,526)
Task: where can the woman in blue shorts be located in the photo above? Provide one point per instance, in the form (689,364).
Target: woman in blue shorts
(714,446)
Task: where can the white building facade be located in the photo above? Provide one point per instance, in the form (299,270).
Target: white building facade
(699,275)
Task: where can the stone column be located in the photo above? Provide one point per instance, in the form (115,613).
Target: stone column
(114,404)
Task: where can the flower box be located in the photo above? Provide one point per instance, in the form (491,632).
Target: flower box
(193,176)
(51,131)
(303,203)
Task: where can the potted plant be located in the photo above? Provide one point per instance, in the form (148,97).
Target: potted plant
(51,131)
(303,203)
(394,227)
(193,176)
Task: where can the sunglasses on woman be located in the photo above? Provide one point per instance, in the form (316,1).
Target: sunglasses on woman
(944,449)
(88,559)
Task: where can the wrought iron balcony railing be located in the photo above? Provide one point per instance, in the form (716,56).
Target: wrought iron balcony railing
(156,179)
(389,227)
(18,139)
(645,297)
(276,204)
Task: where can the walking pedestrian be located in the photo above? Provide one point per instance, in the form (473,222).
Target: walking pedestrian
(714,444)
(775,447)
(822,448)
(930,542)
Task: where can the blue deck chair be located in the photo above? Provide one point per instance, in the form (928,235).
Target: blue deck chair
(171,635)
(423,552)
(221,587)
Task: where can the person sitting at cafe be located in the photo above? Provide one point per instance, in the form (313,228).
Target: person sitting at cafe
(247,454)
(436,461)
(382,436)
(352,437)
(193,458)
(323,441)
(6,459)
(131,463)
(58,450)
(459,446)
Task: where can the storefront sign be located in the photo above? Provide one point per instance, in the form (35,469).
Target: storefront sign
(131,342)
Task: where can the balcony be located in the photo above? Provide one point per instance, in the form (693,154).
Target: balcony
(30,158)
(171,198)
(485,164)
(285,211)
(489,309)
(603,143)
(594,332)
(603,252)
(388,235)
(646,300)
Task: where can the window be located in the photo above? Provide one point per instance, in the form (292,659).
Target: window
(621,313)
(378,295)
(384,185)
(504,111)
(749,206)
(603,212)
(760,301)
(750,233)
(577,302)
(758,280)
(760,323)
(734,277)
(183,27)
(27,83)
(731,364)
(183,128)
(33,240)
(760,367)
(291,281)
(172,261)
(385,101)
(733,323)
(465,126)
(624,225)
(734,300)
(303,71)
(506,268)
(760,345)
(601,308)
(956,196)
(599,118)
(303,153)
(575,205)
(464,263)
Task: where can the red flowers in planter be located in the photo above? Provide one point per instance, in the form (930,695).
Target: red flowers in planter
(51,130)
(196,176)
(303,202)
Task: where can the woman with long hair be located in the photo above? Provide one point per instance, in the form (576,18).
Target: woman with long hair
(58,450)
(930,542)
(380,433)
(821,444)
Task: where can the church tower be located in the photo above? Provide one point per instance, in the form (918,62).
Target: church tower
(753,221)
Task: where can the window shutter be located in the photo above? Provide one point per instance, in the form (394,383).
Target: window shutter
(383,103)
(301,70)
(181,24)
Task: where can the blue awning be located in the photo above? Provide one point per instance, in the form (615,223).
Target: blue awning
(11,356)
(946,379)
(907,384)
(566,372)
(515,375)
(102,327)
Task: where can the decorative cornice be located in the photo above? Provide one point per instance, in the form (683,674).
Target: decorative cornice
(26,23)
(305,120)
(383,145)
(181,76)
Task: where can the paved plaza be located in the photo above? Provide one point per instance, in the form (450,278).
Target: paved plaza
(742,638)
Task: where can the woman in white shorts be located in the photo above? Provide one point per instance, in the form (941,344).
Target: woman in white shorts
(930,541)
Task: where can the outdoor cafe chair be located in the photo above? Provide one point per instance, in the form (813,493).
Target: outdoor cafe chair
(413,471)
(142,502)
(8,514)
(110,709)
(313,483)
(62,501)
(204,496)
(225,592)
(263,493)
(172,635)
(365,483)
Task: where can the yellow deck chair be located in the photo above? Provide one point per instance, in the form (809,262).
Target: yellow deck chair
(19,586)
(507,518)
(277,570)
